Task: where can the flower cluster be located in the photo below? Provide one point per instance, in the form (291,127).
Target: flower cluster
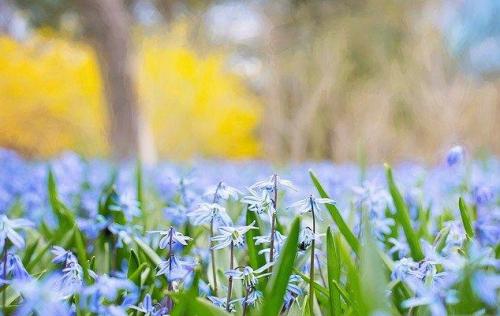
(81,237)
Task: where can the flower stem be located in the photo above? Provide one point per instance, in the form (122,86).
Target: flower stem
(273,220)
(170,303)
(230,281)
(311,269)
(212,254)
(245,301)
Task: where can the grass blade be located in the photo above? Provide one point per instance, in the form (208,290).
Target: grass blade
(465,214)
(403,217)
(336,216)
(333,272)
(150,253)
(255,260)
(276,288)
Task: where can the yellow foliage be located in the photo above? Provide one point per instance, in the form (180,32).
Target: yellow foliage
(51,99)
(196,106)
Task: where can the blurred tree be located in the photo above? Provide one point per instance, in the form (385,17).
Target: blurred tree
(106,24)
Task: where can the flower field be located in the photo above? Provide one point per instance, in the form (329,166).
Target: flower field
(86,237)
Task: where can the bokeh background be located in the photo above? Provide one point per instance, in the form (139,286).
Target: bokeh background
(284,80)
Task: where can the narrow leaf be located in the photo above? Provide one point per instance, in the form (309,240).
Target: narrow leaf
(403,217)
(336,216)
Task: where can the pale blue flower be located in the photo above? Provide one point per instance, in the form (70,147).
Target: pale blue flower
(170,236)
(230,235)
(455,156)
(311,203)
(207,212)
(175,268)
(41,297)
(8,229)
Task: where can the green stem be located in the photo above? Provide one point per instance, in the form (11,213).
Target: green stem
(230,281)
(212,254)
(245,301)
(311,269)
(273,221)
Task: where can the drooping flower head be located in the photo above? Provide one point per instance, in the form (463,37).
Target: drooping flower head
(207,212)
(171,236)
(455,156)
(310,204)
(8,232)
(230,235)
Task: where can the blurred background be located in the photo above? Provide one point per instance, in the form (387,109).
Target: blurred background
(284,80)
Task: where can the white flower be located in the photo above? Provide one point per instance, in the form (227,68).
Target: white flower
(206,212)
(249,275)
(279,240)
(259,202)
(273,181)
(170,236)
(308,204)
(231,234)
(8,230)
(306,237)
(222,191)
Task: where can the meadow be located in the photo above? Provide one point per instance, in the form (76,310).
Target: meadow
(88,237)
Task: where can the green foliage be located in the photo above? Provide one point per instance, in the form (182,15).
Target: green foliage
(403,217)
(465,215)
(276,288)
(336,216)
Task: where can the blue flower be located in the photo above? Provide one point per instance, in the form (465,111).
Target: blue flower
(41,297)
(8,230)
(175,268)
(170,237)
(311,203)
(455,156)
(106,289)
(207,212)
(230,235)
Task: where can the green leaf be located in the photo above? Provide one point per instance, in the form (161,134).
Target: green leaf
(276,288)
(255,260)
(150,253)
(317,287)
(203,307)
(336,216)
(81,251)
(373,275)
(440,241)
(333,267)
(133,262)
(30,250)
(465,214)
(403,217)
(135,275)
(133,266)
(64,216)
(139,184)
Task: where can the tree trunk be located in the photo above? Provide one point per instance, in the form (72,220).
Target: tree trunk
(106,25)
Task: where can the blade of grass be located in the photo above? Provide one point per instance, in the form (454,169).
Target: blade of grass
(333,271)
(336,216)
(150,253)
(255,260)
(276,288)
(403,217)
(465,214)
